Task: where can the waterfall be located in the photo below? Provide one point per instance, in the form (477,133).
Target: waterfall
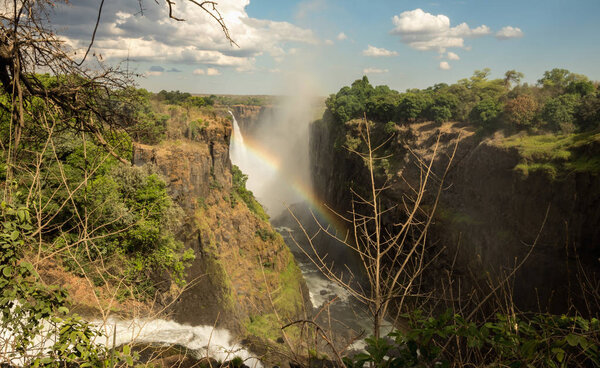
(254,161)
(237,149)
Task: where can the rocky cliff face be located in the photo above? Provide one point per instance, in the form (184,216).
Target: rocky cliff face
(248,117)
(240,259)
(489,214)
(192,167)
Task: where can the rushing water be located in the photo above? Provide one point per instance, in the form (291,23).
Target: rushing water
(201,341)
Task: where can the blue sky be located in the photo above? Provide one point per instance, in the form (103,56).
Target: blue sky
(325,44)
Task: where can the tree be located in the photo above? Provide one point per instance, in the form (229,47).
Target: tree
(512,76)
(557,81)
(392,258)
(581,87)
(412,105)
(556,78)
(444,104)
(350,102)
(521,110)
(559,112)
(486,111)
(588,112)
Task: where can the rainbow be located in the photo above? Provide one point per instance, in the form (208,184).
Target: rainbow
(271,161)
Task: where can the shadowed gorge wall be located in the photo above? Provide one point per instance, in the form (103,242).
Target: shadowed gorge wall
(489,213)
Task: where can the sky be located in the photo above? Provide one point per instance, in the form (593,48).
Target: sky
(323,45)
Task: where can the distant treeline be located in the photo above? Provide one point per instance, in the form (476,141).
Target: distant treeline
(561,101)
(182,98)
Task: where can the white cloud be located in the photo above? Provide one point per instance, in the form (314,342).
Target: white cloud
(444,65)
(424,31)
(374,71)
(329,42)
(207,71)
(341,36)
(213,71)
(509,32)
(124,33)
(452,56)
(153,73)
(378,52)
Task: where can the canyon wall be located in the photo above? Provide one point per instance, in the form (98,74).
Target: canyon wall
(250,116)
(243,271)
(490,216)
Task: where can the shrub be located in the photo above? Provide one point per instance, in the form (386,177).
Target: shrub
(239,191)
(505,341)
(31,312)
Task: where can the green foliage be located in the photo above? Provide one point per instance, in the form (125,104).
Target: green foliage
(149,127)
(581,88)
(440,114)
(559,112)
(512,76)
(485,112)
(173,97)
(33,313)
(128,210)
(557,154)
(265,234)
(558,80)
(237,362)
(141,219)
(196,128)
(439,103)
(239,192)
(588,112)
(565,101)
(197,101)
(382,105)
(350,102)
(506,341)
(413,105)
(249,100)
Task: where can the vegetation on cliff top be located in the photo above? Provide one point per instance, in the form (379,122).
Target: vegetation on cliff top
(562,110)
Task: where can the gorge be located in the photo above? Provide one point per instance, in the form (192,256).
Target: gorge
(253,268)
(299,184)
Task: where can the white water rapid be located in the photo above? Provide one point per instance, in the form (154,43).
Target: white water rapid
(202,341)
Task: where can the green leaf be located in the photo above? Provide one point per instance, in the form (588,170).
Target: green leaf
(572,340)
(14,235)
(7,271)
(559,353)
